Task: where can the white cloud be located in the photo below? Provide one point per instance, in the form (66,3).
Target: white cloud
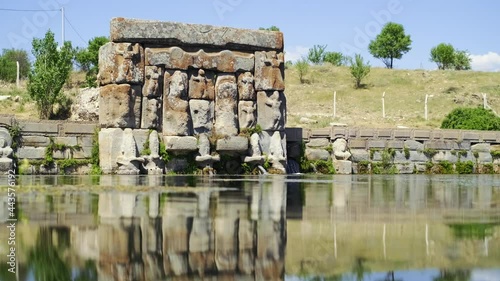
(294,53)
(487,62)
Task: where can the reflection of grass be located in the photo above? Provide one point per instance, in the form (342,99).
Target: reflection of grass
(473,230)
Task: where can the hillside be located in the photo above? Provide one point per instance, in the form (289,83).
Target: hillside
(404,100)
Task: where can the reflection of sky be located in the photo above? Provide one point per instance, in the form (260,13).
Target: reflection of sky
(419,275)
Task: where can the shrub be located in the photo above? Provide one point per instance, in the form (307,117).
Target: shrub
(471,119)
(359,70)
(316,54)
(302,68)
(335,58)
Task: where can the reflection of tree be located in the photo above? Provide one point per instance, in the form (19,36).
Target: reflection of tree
(453,275)
(359,269)
(89,273)
(390,277)
(45,259)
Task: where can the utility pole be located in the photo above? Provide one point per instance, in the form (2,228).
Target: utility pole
(335,104)
(383,105)
(17,76)
(62,26)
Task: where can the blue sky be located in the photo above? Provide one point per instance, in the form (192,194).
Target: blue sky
(345,26)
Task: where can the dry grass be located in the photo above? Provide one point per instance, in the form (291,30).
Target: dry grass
(404,100)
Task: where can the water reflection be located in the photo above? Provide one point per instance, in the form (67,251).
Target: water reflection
(331,228)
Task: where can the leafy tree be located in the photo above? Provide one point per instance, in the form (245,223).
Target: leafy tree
(51,70)
(272,28)
(390,44)
(88,59)
(335,58)
(316,54)
(8,66)
(359,69)
(302,68)
(462,60)
(443,55)
(471,119)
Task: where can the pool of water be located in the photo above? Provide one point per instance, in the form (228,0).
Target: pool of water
(376,228)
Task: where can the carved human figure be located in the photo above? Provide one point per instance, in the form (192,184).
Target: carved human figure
(340,150)
(201,86)
(246,90)
(5,150)
(274,103)
(247,111)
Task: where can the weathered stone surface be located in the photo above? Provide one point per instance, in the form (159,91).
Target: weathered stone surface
(181,144)
(271,110)
(39,128)
(340,151)
(86,105)
(357,143)
(445,156)
(481,147)
(153,84)
(202,85)
(169,33)
(121,63)
(70,141)
(319,142)
(35,141)
(31,152)
(417,156)
(78,128)
(202,114)
(233,144)
(110,141)
(317,154)
(226,106)
(376,143)
(176,118)
(484,157)
(119,106)
(418,134)
(246,89)
(414,145)
(358,155)
(176,165)
(151,113)
(441,145)
(405,168)
(128,161)
(400,157)
(177,58)
(395,144)
(269,71)
(342,167)
(247,111)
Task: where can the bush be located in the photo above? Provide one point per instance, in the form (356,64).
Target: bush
(302,68)
(359,70)
(471,119)
(335,58)
(8,66)
(316,54)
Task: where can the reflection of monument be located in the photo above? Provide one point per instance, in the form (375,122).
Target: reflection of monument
(6,162)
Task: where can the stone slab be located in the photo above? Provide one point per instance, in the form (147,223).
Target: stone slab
(79,129)
(384,133)
(70,141)
(489,136)
(319,142)
(366,133)
(31,153)
(35,141)
(356,143)
(472,136)
(451,135)
(376,143)
(181,144)
(395,144)
(421,134)
(32,128)
(182,34)
(234,144)
(342,167)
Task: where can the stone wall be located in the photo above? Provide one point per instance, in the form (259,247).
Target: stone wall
(205,94)
(405,151)
(46,147)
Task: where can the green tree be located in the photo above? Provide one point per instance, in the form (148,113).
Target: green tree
(443,55)
(390,44)
(335,58)
(316,54)
(471,119)
(8,66)
(272,28)
(302,68)
(359,70)
(51,70)
(462,60)
(88,59)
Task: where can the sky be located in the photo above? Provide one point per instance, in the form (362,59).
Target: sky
(344,26)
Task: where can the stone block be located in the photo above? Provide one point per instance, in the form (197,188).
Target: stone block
(402,134)
(140,137)
(313,154)
(384,133)
(202,84)
(35,141)
(484,157)
(418,156)
(271,110)
(176,117)
(177,165)
(84,153)
(226,105)
(176,58)
(481,147)
(319,142)
(376,143)
(420,134)
(202,114)
(451,135)
(247,114)
(471,136)
(414,145)
(446,156)
(69,141)
(39,128)
(79,128)
(366,133)
(441,145)
(27,152)
(196,35)
(121,63)
(405,168)
(246,89)
(110,146)
(489,136)
(269,71)
(151,113)
(400,157)
(233,144)
(320,133)
(356,143)
(6,120)
(337,132)
(395,144)
(358,155)
(420,167)
(181,144)
(153,84)
(342,167)
(436,134)
(120,106)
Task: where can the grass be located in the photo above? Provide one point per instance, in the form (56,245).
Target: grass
(404,100)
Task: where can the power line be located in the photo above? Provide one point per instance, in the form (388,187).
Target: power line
(24,10)
(72,27)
